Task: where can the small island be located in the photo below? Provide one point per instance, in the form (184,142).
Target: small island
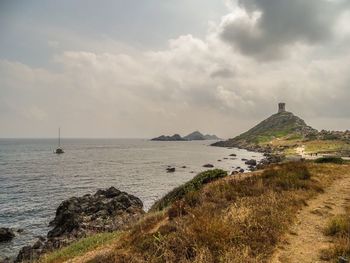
(194,136)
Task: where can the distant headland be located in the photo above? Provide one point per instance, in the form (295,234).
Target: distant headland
(194,136)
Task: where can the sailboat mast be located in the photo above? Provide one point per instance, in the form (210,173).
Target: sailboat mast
(59,137)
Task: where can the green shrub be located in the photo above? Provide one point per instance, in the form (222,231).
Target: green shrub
(195,184)
(336,160)
(80,247)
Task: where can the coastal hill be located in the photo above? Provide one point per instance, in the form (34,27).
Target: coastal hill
(283,124)
(194,136)
(287,134)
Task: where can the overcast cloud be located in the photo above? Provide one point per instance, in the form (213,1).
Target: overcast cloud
(220,74)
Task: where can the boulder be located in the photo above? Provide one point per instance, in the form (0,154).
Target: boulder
(106,211)
(270,159)
(251,162)
(6,234)
(170,169)
(233,154)
(208,165)
(252,168)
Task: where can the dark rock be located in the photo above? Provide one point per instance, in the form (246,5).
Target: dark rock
(251,162)
(27,253)
(219,160)
(233,173)
(244,159)
(170,170)
(233,154)
(6,260)
(184,167)
(6,234)
(241,170)
(105,211)
(225,158)
(19,230)
(208,165)
(270,159)
(251,168)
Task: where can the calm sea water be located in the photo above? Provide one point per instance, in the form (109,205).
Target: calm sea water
(34,181)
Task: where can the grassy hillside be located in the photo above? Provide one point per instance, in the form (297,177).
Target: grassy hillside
(285,133)
(279,125)
(227,220)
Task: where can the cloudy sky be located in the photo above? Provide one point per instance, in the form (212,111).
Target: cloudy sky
(130,68)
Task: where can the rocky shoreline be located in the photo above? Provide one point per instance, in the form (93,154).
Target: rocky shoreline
(105,211)
(271,155)
(246,146)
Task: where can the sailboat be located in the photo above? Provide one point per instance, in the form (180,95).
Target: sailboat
(59,150)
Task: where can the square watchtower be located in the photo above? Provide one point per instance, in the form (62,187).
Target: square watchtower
(281,107)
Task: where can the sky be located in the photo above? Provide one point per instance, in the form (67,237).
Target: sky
(139,69)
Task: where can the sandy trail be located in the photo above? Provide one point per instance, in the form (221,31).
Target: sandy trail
(300,150)
(305,239)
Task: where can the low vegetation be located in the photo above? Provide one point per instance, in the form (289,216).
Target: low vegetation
(232,219)
(327,146)
(227,221)
(195,184)
(337,160)
(338,228)
(80,247)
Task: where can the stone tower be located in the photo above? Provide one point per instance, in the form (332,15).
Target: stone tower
(281,107)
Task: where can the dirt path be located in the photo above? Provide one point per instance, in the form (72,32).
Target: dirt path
(300,150)
(305,240)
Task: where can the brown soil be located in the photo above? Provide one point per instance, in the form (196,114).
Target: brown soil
(306,239)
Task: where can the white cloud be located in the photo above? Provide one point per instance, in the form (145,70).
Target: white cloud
(193,84)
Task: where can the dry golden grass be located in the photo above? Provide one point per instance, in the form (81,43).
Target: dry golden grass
(339,228)
(229,221)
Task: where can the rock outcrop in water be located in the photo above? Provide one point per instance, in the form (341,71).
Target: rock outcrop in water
(78,217)
(6,234)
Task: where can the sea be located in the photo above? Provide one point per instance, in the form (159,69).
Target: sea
(34,180)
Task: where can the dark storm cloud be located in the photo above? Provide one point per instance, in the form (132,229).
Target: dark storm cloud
(280,24)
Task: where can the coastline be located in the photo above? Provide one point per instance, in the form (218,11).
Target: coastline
(160,186)
(191,209)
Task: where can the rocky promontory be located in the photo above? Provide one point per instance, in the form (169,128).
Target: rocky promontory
(282,125)
(105,211)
